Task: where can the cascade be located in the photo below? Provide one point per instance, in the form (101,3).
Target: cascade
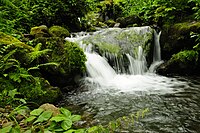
(102,73)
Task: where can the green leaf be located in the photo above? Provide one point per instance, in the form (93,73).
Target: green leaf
(46,115)
(65,112)
(47,131)
(31,118)
(28,131)
(58,130)
(15,130)
(92,129)
(58,118)
(67,124)
(75,118)
(80,131)
(36,112)
(69,131)
(6,129)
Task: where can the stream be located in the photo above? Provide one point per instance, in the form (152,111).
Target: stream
(173,103)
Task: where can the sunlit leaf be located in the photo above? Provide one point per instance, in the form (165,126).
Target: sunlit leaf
(31,118)
(36,112)
(66,124)
(75,118)
(59,118)
(65,112)
(46,115)
(6,129)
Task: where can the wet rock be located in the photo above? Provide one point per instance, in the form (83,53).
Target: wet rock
(50,107)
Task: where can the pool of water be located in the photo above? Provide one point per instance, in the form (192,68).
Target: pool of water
(173,103)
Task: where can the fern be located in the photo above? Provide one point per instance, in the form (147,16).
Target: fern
(8,3)
(37,53)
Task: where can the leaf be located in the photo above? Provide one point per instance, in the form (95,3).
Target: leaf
(80,131)
(6,129)
(28,131)
(58,118)
(15,130)
(92,129)
(46,115)
(31,118)
(69,131)
(75,118)
(58,130)
(65,112)
(36,112)
(47,131)
(67,124)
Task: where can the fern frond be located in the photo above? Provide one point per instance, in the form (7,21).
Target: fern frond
(45,64)
(8,3)
(36,54)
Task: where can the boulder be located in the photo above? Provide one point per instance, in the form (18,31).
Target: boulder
(69,57)
(50,107)
(58,31)
(39,31)
(177,37)
(183,63)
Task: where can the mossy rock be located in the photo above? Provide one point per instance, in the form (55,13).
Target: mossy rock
(183,63)
(39,31)
(58,31)
(177,37)
(40,91)
(68,55)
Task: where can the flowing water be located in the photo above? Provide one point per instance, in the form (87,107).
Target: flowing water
(173,102)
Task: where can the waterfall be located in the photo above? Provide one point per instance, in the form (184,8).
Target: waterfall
(134,63)
(156,53)
(138,64)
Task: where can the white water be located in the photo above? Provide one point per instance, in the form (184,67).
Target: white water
(103,78)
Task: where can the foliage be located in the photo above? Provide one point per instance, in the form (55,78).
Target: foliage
(22,15)
(19,72)
(196,8)
(121,124)
(39,120)
(186,56)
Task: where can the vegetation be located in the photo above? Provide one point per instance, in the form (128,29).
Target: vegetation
(36,60)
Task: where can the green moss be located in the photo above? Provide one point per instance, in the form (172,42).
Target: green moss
(115,49)
(187,27)
(7,39)
(39,31)
(186,56)
(68,55)
(58,31)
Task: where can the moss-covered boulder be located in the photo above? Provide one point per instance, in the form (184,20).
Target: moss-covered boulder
(177,37)
(183,63)
(39,31)
(17,73)
(69,57)
(58,31)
